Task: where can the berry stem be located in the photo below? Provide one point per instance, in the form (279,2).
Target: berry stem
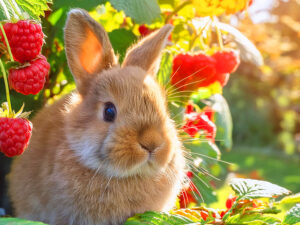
(7,44)
(220,40)
(177,9)
(10,112)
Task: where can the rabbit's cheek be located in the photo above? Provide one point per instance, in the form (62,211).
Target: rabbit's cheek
(163,155)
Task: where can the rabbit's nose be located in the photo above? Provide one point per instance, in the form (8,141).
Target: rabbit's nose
(150,139)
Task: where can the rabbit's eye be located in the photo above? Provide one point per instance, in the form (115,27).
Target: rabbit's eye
(110,112)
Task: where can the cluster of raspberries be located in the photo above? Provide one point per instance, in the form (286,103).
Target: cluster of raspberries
(193,71)
(25,39)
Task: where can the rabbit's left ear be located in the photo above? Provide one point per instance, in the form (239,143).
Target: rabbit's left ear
(147,53)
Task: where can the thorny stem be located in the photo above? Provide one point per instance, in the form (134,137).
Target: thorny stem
(10,112)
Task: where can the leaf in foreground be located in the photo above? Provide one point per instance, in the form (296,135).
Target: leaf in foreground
(248,188)
(293,215)
(17,221)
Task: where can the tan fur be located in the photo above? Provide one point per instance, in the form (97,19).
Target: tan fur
(82,170)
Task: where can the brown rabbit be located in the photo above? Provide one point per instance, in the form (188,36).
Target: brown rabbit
(108,150)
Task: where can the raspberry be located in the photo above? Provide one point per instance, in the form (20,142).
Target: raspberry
(204,215)
(30,79)
(199,121)
(144,31)
(230,200)
(14,135)
(209,112)
(227,61)
(192,71)
(25,39)
(222,78)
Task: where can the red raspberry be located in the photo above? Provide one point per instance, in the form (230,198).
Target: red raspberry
(227,61)
(30,79)
(192,71)
(222,78)
(144,31)
(230,200)
(209,112)
(204,215)
(25,39)
(199,121)
(14,135)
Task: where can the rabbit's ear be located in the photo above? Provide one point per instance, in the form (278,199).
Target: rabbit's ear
(147,53)
(88,48)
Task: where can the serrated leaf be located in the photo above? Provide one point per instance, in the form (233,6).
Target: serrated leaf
(291,199)
(7,11)
(35,8)
(22,9)
(253,219)
(141,11)
(249,53)
(17,221)
(293,215)
(223,121)
(249,189)
(158,219)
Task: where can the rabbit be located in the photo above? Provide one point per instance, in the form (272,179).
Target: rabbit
(109,149)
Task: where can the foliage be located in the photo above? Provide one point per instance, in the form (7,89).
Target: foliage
(16,221)
(254,204)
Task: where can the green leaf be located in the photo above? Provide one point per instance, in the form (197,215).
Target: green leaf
(22,9)
(291,199)
(84,4)
(253,219)
(157,218)
(293,215)
(121,39)
(164,73)
(141,11)
(35,8)
(17,221)
(7,11)
(204,148)
(223,121)
(249,189)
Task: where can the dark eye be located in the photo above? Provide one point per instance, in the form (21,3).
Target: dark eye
(110,112)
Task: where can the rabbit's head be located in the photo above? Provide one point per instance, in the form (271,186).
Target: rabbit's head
(117,122)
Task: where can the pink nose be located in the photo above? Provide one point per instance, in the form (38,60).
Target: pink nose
(150,139)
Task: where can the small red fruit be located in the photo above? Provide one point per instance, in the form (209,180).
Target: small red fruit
(227,61)
(193,71)
(204,215)
(30,79)
(230,200)
(25,39)
(144,31)
(14,135)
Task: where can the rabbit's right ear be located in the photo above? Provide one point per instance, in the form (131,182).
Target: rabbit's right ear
(88,48)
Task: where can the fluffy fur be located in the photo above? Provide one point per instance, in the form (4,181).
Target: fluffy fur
(82,170)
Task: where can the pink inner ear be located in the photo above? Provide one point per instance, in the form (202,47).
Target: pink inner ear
(91,53)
